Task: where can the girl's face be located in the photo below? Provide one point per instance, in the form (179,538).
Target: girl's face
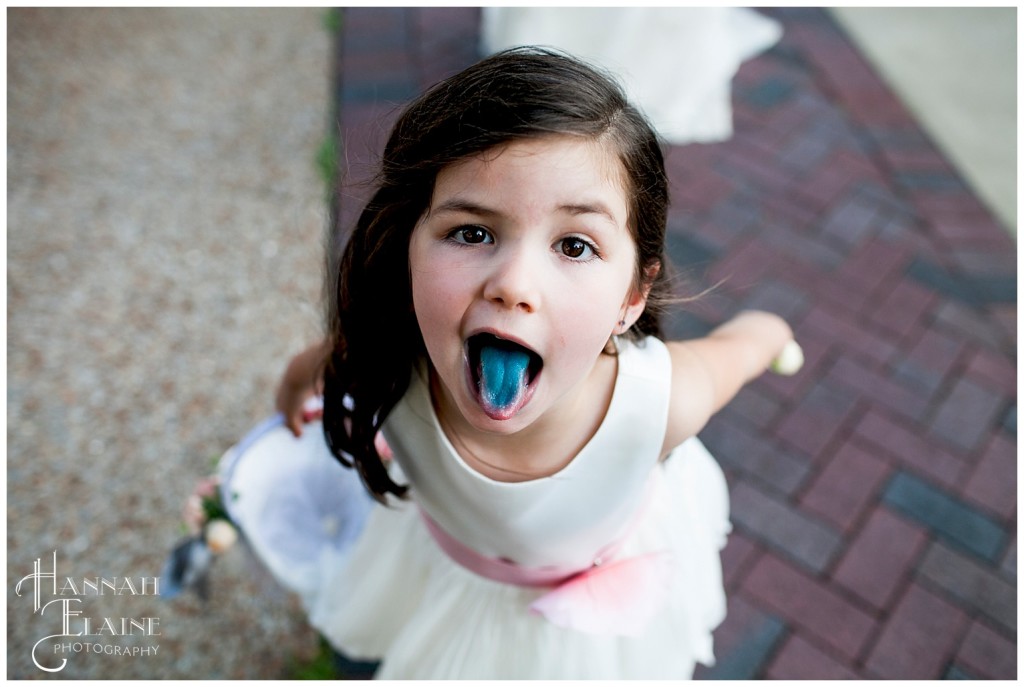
(522,268)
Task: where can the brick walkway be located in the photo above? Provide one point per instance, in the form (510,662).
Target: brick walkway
(874,494)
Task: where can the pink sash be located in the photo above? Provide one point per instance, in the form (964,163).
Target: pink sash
(612,597)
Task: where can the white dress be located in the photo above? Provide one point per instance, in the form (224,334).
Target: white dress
(397,595)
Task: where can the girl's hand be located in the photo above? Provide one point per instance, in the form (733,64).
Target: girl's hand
(300,387)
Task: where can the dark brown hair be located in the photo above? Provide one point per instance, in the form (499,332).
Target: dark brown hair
(516,94)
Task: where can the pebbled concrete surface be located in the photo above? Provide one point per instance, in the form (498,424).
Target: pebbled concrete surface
(165,223)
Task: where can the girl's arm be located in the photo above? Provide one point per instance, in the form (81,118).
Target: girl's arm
(302,380)
(708,372)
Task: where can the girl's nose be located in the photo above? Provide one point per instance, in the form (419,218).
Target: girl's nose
(514,281)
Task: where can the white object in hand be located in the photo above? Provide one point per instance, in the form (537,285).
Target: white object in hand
(790,360)
(220,535)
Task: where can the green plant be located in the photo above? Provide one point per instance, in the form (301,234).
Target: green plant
(327,160)
(320,667)
(332,20)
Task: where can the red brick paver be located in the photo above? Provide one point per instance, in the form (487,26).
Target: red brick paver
(800,660)
(811,606)
(988,654)
(877,562)
(993,482)
(846,485)
(919,638)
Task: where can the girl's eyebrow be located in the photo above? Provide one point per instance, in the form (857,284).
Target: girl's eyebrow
(460,205)
(574,209)
(595,208)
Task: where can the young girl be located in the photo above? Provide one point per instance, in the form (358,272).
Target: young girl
(549,511)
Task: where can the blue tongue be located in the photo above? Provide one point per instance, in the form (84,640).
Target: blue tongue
(503,375)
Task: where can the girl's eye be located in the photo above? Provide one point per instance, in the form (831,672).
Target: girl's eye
(471,235)
(577,249)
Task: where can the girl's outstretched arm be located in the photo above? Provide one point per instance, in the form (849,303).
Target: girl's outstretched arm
(708,372)
(302,380)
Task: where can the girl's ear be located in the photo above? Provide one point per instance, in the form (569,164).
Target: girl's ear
(636,301)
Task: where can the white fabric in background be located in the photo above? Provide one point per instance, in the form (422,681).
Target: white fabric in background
(676,63)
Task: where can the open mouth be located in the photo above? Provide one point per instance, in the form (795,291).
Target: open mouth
(502,374)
